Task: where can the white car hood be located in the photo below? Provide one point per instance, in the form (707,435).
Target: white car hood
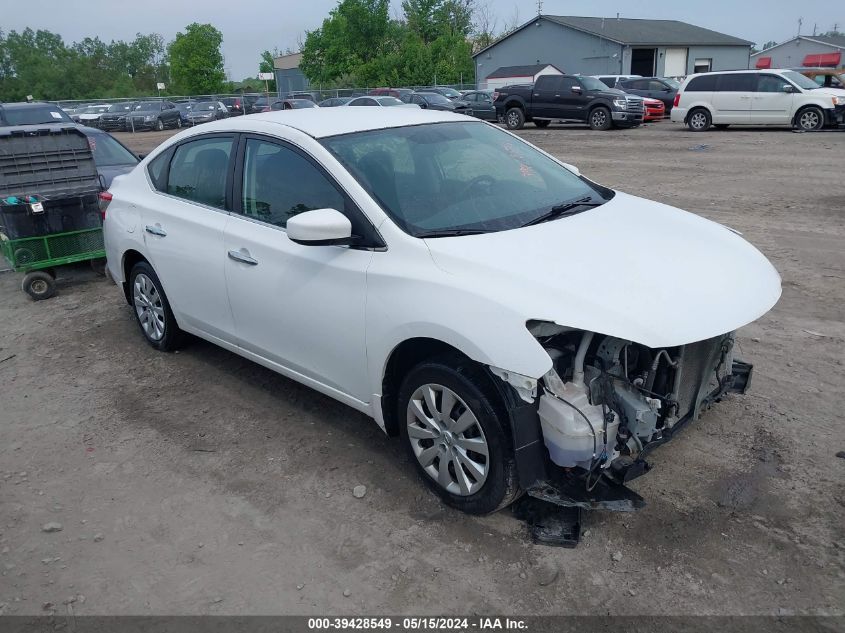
(830,92)
(631,268)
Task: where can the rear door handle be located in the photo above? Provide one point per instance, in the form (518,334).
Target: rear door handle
(244,258)
(155,230)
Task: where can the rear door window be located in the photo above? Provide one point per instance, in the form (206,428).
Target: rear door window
(199,171)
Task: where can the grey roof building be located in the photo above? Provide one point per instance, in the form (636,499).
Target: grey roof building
(803,50)
(620,46)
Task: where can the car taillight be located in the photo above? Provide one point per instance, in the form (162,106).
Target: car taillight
(104,199)
(677,100)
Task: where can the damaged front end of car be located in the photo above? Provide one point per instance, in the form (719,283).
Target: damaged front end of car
(585,428)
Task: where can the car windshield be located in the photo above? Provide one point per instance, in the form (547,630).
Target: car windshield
(146,106)
(458,176)
(800,80)
(591,83)
(108,152)
(302,103)
(204,106)
(436,99)
(35,115)
(674,84)
(450,92)
(389,101)
(121,107)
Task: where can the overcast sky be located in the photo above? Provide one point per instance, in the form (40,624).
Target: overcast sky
(250,27)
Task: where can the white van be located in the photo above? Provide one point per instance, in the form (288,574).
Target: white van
(756,97)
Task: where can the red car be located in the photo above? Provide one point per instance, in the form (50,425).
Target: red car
(655,110)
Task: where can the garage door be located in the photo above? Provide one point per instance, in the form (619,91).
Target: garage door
(676,62)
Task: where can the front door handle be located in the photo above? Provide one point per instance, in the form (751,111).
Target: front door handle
(244,258)
(155,230)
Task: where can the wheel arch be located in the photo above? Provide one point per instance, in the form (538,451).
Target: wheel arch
(514,103)
(805,107)
(412,352)
(130,258)
(693,108)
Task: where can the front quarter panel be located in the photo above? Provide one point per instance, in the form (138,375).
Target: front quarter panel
(408,297)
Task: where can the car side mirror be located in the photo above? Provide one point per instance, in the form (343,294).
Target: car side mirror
(788,88)
(577,89)
(320,227)
(141,156)
(573,169)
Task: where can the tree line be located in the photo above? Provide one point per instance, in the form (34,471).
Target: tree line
(41,64)
(360,44)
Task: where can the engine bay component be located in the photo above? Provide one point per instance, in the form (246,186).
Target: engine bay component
(607,401)
(576,432)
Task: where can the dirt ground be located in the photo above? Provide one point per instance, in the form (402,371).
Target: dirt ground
(199,482)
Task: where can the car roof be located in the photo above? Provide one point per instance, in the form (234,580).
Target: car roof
(325,122)
(21,105)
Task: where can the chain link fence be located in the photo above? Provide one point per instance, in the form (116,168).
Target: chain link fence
(316,92)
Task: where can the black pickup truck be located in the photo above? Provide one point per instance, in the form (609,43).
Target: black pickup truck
(567,97)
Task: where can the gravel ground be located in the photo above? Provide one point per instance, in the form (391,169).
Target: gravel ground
(199,482)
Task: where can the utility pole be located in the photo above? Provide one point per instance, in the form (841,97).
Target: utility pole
(539,7)
(800,22)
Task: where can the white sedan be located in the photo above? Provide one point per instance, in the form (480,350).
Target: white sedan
(521,327)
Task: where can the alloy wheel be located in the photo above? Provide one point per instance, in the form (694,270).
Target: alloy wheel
(698,120)
(809,120)
(148,307)
(599,118)
(447,439)
(513,119)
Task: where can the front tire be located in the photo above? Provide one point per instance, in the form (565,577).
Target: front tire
(178,123)
(152,309)
(810,119)
(515,119)
(600,119)
(159,125)
(456,436)
(699,120)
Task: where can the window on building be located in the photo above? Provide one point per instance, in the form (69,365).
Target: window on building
(703,65)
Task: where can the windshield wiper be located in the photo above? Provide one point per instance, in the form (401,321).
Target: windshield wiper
(450,232)
(561,210)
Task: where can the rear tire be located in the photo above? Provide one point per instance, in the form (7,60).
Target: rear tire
(515,119)
(39,285)
(152,309)
(699,120)
(541,123)
(809,119)
(600,119)
(456,436)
